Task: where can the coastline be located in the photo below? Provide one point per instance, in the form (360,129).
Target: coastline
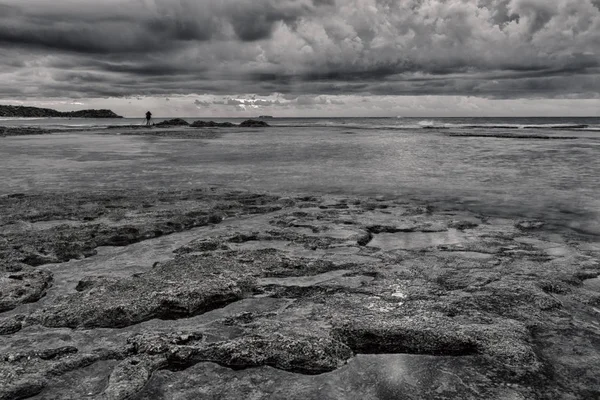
(302,289)
(202,130)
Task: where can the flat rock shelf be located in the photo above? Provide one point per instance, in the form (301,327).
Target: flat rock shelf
(226,294)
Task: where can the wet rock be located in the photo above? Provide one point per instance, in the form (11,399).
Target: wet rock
(405,336)
(408,227)
(501,312)
(242,237)
(130,376)
(332,204)
(201,285)
(21,388)
(86,382)
(252,123)
(298,353)
(243,318)
(555,287)
(307,355)
(26,374)
(173,122)
(529,225)
(46,354)
(370,205)
(154,344)
(376,229)
(211,124)
(364,239)
(64,243)
(516,300)
(504,343)
(22,131)
(11,324)
(462,225)
(25,286)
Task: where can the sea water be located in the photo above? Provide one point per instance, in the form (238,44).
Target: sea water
(543,168)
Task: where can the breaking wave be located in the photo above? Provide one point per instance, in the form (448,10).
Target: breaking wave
(437,125)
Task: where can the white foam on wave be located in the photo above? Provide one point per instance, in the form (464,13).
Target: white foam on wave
(427,123)
(432,124)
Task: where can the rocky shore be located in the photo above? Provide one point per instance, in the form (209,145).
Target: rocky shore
(215,293)
(250,123)
(174,128)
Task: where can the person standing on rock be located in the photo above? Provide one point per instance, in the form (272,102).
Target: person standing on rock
(148,118)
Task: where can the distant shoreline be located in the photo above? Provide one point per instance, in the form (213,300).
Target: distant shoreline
(35,112)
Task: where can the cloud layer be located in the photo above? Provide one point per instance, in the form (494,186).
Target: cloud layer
(486,48)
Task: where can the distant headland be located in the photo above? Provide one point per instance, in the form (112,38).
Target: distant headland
(35,112)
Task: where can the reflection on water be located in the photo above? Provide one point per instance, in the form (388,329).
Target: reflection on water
(416,240)
(555,180)
(365,377)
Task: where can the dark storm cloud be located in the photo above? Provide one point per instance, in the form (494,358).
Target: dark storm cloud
(255,23)
(86,34)
(493,48)
(142,28)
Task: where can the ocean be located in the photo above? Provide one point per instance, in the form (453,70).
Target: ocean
(581,124)
(534,168)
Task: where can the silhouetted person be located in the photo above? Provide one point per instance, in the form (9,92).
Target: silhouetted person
(148,118)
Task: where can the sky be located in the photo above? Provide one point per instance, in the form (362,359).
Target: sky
(240,58)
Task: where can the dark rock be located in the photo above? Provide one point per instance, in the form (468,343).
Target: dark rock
(529,225)
(306,355)
(365,239)
(22,389)
(24,375)
(295,353)
(173,122)
(122,302)
(50,354)
(211,124)
(409,336)
(65,242)
(240,319)
(22,131)
(252,123)
(130,376)
(462,225)
(486,308)
(153,344)
(26,286)
(16,196)
(11,325)
(377,229)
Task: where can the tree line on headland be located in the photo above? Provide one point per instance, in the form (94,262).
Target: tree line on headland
(35,112)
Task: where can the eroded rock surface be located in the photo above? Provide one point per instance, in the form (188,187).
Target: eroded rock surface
(173,122)
(211,124)
(253,123)
(290,297)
